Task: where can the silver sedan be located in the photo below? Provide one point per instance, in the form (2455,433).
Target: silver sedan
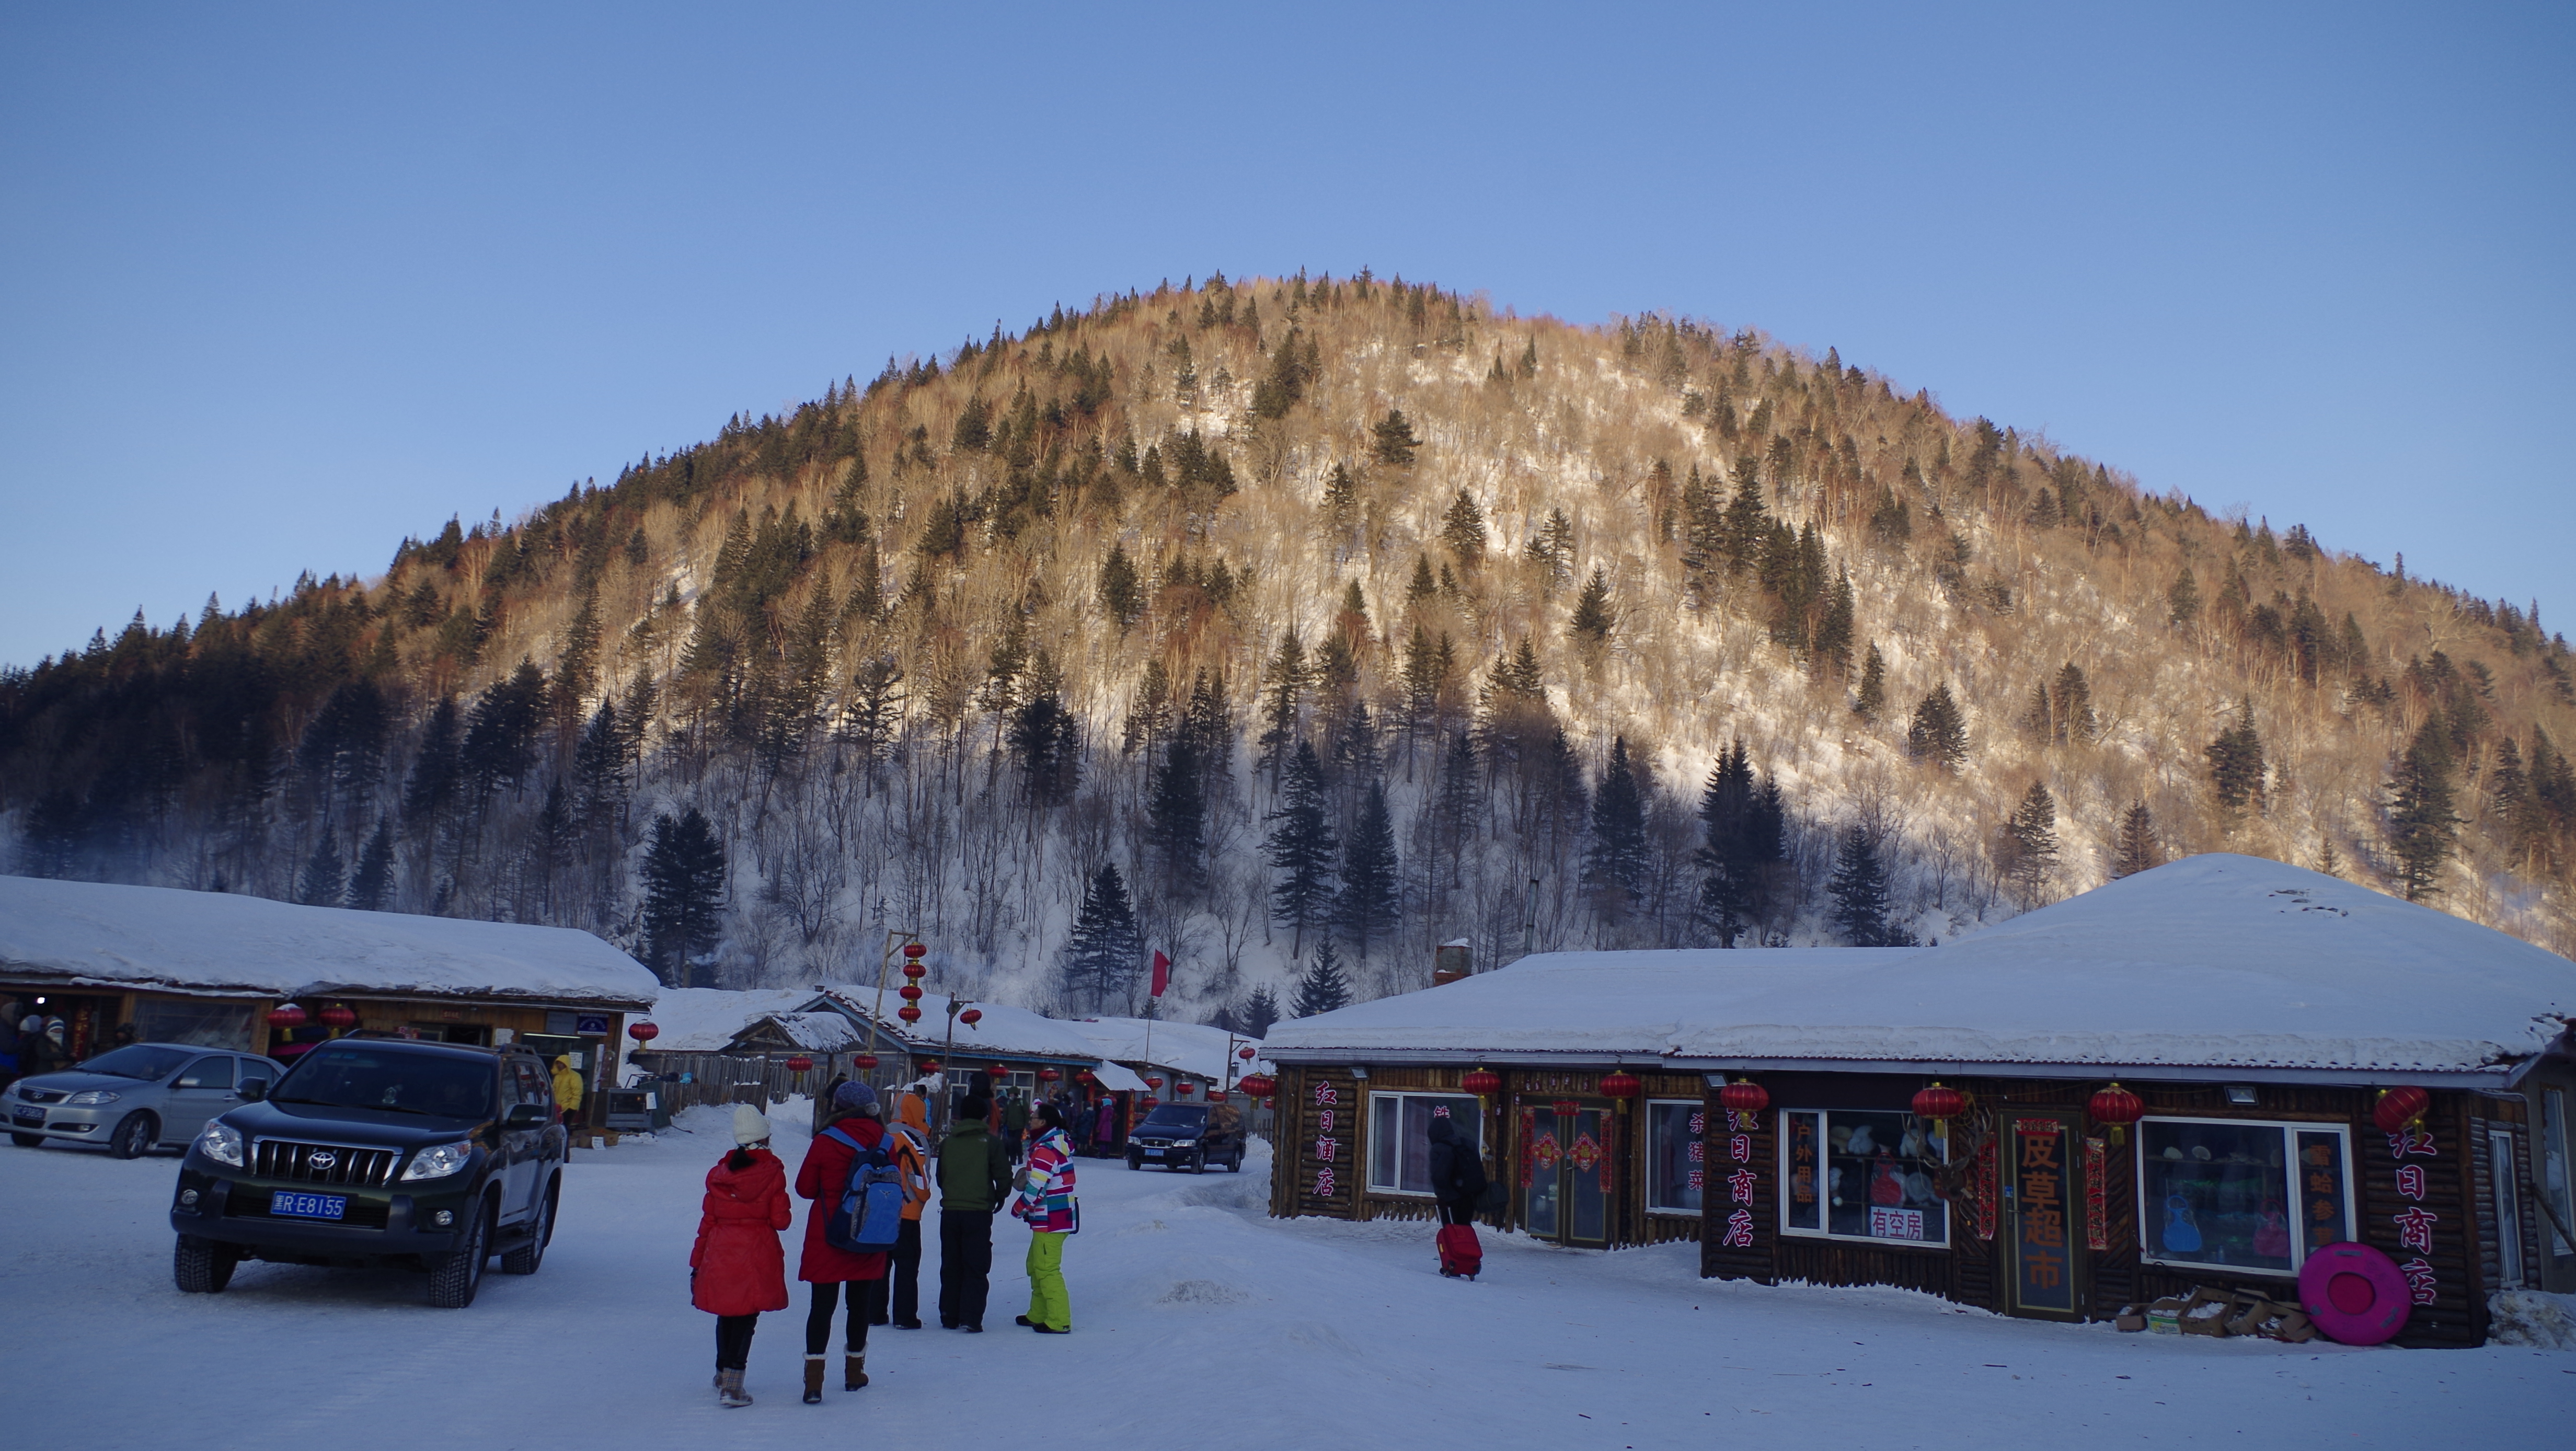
(135,1098)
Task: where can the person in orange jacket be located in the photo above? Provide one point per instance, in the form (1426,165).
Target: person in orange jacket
(911,1156)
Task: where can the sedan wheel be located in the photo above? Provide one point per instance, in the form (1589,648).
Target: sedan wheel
(134,1136)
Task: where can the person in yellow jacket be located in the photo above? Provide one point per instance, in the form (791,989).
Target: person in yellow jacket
(567,1089)
(911,1149)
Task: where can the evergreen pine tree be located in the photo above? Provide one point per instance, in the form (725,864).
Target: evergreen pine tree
(2182,602)
(371,886)
(1301,847)
(321,883)
(599,770)
(1395,442)
(1323,989)
(1462,531)
(1287,678)
(1046,738)
(2136,850)
(684,883)
(2075,724)
(1342,502)
(1593,615)
(1364,911)
(2421,826)
(437,776)
(2521,823)
(1122,594)
(1938,734)
(2027,848)
(1176,820)
(1103,958)
(1831,650)
(1617,856)
(1744,823)
(1859,890)
(1872,697)
(1423,585)
(1260,1012)
(2236,761)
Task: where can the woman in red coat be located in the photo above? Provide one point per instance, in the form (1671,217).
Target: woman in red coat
(737,1269)
(822,1178)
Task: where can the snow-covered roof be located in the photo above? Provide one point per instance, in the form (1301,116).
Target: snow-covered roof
(1192,1048)
(705,1019)
(1002,1029)
(1119,1079)
(101,934)
(2216,963)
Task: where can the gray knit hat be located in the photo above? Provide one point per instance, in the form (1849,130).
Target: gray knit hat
(855,1095)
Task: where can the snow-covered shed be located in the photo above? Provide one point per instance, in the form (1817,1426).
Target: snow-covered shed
(208,967)
(2170,1081)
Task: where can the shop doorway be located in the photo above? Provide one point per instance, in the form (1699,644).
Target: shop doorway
(1567,1168)
(2044,1270)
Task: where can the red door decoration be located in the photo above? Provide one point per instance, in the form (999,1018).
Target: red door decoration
(2097,1208)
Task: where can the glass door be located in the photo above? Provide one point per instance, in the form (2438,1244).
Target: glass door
(2042,1254)
(1568,1164)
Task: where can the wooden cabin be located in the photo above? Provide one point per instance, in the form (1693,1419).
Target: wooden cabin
(2250,1013)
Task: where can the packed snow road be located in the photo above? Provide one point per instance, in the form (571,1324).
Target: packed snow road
(1194,1314)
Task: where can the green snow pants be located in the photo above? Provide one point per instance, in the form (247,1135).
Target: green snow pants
(1047,1303)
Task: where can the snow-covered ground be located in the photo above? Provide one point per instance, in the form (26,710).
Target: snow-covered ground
(1194,1315)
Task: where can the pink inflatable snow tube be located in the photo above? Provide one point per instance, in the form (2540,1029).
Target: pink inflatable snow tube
(2354,1294)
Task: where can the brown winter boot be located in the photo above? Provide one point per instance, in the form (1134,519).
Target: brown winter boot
(854,1371)
(729,1391)
(813,1380)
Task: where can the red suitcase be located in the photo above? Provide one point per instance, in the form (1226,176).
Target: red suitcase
(1460,1254)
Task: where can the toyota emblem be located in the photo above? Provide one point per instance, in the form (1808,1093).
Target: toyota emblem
(323,1159)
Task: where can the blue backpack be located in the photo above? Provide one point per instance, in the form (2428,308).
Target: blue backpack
(870,1214)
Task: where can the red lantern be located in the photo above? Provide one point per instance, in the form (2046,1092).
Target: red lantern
(643,1032)
(1151,1081)
(1620,1084)
(1048,1075)
(2117,1107)
(929,1066)
(1245,1053)
(971,1016)
(1269,1103)
(915,971)
(1184,1088)
(908,1013)
(1149,1103)
(1744,1096)
(800,1064)
(914,950)
(1086,1076)
(286,1015)
(338,1016)
(999,1069)
(1258,1085)
(865,1063)
(1939,1104)
(1482,1082)
(2398,1109)
(908,993)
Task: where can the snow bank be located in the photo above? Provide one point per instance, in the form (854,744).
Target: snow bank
(96,933)
(2213,962)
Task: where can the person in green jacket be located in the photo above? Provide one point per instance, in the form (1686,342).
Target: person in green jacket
(974,1181)
(1015,1124)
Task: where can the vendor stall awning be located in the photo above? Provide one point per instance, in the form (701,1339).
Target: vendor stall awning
(1117,1079)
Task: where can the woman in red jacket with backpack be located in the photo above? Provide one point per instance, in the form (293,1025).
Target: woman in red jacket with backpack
(823,1177)
(736,1269)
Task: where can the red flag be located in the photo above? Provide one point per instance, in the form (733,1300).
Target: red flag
(1162,972)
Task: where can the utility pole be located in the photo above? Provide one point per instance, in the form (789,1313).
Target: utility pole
(1529,919)
(895,940)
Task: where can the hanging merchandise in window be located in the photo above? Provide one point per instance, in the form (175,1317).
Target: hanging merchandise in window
(1400,1137)
(2221,1193)
(1863,1174)
(1676,1156)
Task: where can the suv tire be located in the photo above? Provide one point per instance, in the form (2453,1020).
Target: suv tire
(1198,1162)
(201,1266)
(453,1283)
(1235,1164)
(525,1259)
(134,1135)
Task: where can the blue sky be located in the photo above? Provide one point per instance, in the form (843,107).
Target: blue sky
(279,285)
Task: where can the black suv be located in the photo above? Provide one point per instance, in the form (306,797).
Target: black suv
(374,1151)
(1194,1134)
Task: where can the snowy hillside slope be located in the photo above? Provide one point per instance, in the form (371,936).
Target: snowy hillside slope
(920,656)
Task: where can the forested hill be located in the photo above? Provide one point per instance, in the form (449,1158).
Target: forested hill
(1280,620)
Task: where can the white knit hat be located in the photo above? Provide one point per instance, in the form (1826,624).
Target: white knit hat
(748,1126)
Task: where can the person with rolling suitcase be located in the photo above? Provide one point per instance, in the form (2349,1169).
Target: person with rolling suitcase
(1457,1182)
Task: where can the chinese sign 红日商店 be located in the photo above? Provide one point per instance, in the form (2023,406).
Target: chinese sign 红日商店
(2415,1222)
(1328,1143)
(1743,1181)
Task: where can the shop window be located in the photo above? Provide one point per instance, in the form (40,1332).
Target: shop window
(197,1024)
(1674,1155)
(2554,1176)
(1866,1175)
(2224,1193)
(1400,1137)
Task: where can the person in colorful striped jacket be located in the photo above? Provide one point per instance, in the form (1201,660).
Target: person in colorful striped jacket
(1046,1204)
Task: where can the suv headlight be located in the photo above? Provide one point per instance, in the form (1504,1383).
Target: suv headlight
(439,1160)
(91,1099)
(222,1143)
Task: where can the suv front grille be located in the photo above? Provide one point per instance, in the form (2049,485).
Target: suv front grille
(286,1159)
